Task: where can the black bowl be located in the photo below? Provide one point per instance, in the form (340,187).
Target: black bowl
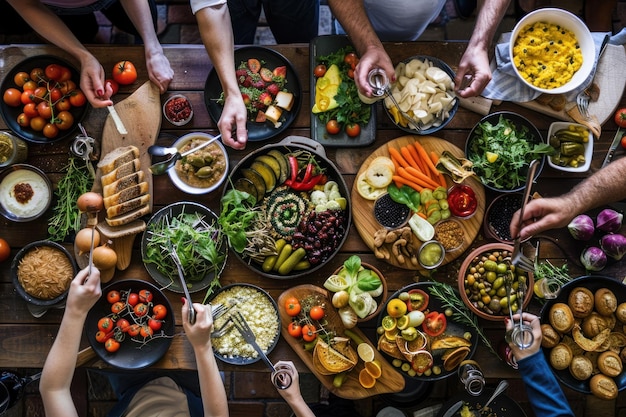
(132,354)
(10,114)
(16,282)
(501,406)
(474,152)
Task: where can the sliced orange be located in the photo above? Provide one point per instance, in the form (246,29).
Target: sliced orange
(374,368)
(366,379)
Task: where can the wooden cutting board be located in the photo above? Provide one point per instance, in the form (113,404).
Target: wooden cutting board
(390,381)
(610,77)
(363,210)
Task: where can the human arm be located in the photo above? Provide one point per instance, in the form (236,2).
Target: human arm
(159,69)
(351,14)
(217,36)
(541,214)
(50,27)
(475,61)
(292,394)
(199,335)
(58,370)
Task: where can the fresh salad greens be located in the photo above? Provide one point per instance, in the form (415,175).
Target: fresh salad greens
(236,217)
(501,153)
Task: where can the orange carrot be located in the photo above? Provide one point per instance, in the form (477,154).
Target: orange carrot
(403,181)
(432,184)
(434,158)
(396,154)
(440,178)
(404,151)
(426,159)
(419,180)
(422,215)
(417,159)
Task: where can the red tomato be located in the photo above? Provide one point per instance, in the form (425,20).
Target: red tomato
(21,78)
(155,324)
(124,73)
(295,330)
(146,331)
(118,307)
(30,110)
(319,70)
(123,325)
(54,72)
(55,95)
(309,332)
(50,130)
(40,92)
(101,336)
(134,330)
(67,86)
(12,97)
(145,296)
(5,250)
(418,300)
(317,313)
(37,123)
(77,98)
(27,96)
(30,85)
(351,59)
(65,120)
(333,127)
(66,74)
(141,310)
(159,312)
(351,73)
(133,299)
(23,120)
(114,85)
(254,65)
(37,74)
(292,306)
(63,105)
(620,117)
(106,324)
(353,130)
(44,110)
(434,324)
(623,142)
(111,345)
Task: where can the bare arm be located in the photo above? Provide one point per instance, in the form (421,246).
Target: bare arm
(159,69)
(475,61)
(50,27)
(58,369)
(351,14)
(293,396)
(217,36)
(603,187)
(211,386)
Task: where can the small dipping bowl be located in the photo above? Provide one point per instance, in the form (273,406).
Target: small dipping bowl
(389,213)
(431,254)
(25,193)
(462,201)
(450,234)
(497,220)
(13,150)
(177,110)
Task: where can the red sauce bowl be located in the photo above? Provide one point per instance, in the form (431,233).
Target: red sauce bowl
(177,110)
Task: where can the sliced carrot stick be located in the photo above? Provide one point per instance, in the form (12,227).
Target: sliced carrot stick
(426,159)
(422,215)
(404,151)
(434,158)
(417,159)
(424,177)
(404,173)
(396,154)
(403,181)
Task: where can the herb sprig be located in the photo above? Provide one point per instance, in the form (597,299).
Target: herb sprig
(449,299)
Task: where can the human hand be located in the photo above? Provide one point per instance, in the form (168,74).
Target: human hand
(232,123)
(474,66)
(159,70)
(373,58)
(92,77)
(199,333)
(84,291)
(541,214)
(293,391)
(534,322)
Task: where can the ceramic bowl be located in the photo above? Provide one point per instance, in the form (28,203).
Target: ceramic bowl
(36,189)
(177,110)
(431,254)
(498,217)
(584,167)
(570,22)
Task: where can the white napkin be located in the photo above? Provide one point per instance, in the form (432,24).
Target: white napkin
(505,85)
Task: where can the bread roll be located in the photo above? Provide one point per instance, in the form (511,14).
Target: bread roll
(581,302)
(561,356)
(561,317)
(620,312)
(603,387)
(610,364)
(605,301)
(581,367)
(593,324)
(551,337)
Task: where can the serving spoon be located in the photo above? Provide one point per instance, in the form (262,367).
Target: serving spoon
(162,167)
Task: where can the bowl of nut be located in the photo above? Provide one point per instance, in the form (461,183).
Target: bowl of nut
(489,283)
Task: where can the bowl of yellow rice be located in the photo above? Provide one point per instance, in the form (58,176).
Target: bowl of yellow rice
(552,51)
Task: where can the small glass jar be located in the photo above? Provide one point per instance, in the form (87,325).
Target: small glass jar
(13,150)
(431,254)
(471,377)
(378,81)
(520,335)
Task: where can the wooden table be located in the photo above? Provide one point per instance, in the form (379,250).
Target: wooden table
(26,340)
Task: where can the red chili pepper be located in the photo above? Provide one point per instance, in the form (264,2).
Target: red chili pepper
(308,172)
(293,164)
(308,185)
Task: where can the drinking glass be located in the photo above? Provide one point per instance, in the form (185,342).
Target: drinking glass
(550,288)
(282,377)
(11,389)
(521,335)
(471,377)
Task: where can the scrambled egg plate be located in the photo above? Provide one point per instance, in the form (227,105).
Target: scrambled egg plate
(547,55)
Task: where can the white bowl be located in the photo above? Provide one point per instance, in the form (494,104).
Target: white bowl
(184,186)
(568,21)
(39,195)
(169,116)
(555,127)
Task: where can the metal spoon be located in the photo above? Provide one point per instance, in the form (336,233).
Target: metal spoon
(502,386)
(162,167)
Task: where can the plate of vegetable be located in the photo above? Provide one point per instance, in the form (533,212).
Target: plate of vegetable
(338,116)
(270,89)
(286,209)
(192,230)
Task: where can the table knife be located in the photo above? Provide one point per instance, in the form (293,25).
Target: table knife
(119,125)
(455,407)
(613,147)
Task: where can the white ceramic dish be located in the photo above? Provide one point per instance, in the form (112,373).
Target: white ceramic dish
(38,195)
(555,127)
(575,25)
(167,115)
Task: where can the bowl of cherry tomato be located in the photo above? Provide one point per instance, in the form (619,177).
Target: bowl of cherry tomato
(131,326)
(42,101)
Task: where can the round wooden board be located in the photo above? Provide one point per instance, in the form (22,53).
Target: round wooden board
(363,210)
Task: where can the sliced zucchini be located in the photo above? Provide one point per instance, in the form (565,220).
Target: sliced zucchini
(257,180)
(267,173)
(285,172)
(271,162)
(245,185)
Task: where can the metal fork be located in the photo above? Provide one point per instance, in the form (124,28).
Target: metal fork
(248,335)
(518,258)
(582,101)
(226,327)
(181,275)
(417,125)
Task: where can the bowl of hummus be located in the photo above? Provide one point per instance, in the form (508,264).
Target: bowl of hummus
(201,171)
(25,193)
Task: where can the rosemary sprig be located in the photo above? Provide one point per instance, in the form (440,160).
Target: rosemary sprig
(449,299)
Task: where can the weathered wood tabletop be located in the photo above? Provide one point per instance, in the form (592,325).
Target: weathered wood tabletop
(26,340)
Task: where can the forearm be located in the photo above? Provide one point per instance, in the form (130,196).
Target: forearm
(139,13)
(213,399)
(487,22)
(605,186)
(351,14)
(300,407)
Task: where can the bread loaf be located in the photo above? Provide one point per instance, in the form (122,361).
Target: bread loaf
(128,217)
(123,183)
(117,157)
(127,206)
(126,194)
(120,172)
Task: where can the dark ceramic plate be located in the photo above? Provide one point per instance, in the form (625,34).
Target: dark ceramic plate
(132,354)
(272,59)
(592,283)
(502,406)
(237,359)
(452,329)
(10,114)
(172,283)
(321,46)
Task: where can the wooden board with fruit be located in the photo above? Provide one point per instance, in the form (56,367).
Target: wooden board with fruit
(348,369)
(363,208)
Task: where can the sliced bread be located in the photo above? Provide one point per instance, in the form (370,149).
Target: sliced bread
(127,206)
(120,172)
(126,194)
(117,157)
(123,183)
(129,216)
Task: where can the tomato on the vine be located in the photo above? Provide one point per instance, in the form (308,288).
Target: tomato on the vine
(351,59)
(21,78)
(23,120)
(159,312)
(145,296)
(317,313)
(37,74)
(319,70)
(623,142)
(50,130)
(620,117)
(133,299)
(353,130)
(155,324)
(12,97)
(77,98)
(434,324)
(294,329)
(124,73)
(292,306)
(63,105)
(44,110)
(141,310)
(134,330)
(30,110)
(37,123)
(146,331)
(333,127)
(106,324)
(123,325)
(27,96)
(111,345)
(309,332)
(101,336)
(54,72)
(118,307)
(65,120)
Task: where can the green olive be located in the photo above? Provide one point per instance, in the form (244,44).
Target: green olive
(490,265)
(205,172)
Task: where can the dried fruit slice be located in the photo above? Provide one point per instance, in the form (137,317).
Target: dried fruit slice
(366,379)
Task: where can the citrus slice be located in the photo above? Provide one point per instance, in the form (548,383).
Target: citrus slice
(366,352)
(491,157)
(389,323)
(396,308)
(366,379)
(336,283)
(537,288)
(374,368)
(391,334)
(403,322)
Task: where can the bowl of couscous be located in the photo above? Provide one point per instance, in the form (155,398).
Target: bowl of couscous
(552,51)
